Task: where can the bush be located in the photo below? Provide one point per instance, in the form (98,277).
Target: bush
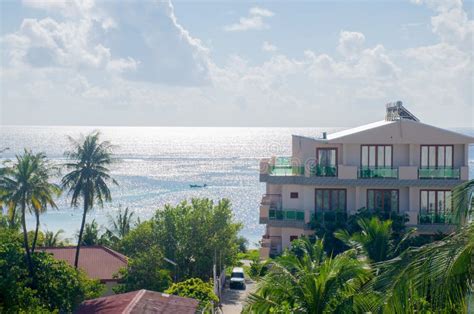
(257,269)
(193,235)
(144,271)
(197,289)
(58,287)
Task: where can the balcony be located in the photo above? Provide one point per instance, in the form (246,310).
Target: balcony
(294,215)
(272,201)
(323,171)
(282,166)
(436,218)
(439,173)
(378,173)
(330,216)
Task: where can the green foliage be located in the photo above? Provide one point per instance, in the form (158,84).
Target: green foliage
(25,186)
(332,245)
(144,271)
(311,283)
(39,239)
(52,239)
(88,176)
(121,224)
(197,289)
(375,239)
(58,285)
(242,244)
(250,255)
(257,269)
(440,273)
(191,234)
(139,239)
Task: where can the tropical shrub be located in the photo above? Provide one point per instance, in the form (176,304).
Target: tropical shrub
(197,289)
(144,271)
(311,283)
(58,286)
(375,239)
(194,235)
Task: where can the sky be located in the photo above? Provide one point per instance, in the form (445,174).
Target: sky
(228,63)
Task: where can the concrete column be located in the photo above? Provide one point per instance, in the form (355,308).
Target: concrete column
(466,155)
(412,157)
(343,159)
(357,200)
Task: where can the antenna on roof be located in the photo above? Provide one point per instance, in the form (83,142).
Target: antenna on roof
(396,111)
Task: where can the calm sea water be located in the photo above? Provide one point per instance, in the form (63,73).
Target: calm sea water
(158,165)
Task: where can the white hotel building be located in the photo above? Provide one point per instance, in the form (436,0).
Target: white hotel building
(398,164)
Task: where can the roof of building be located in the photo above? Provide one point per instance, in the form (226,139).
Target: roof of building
(358,129)
(99,262)
(397,131)
(399,126)
(140,301)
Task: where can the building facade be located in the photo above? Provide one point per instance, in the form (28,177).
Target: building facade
(395,165)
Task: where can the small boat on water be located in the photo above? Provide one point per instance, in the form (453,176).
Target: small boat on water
(197,185)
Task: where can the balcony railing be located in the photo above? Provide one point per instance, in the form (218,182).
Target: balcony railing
(330,216)
(285,170)
(436,218)
(297,215)
(324,171)
(378,172)
(439,173)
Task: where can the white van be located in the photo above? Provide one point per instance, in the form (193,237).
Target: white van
(237,278)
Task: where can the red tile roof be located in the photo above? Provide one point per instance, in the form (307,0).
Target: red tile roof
(141,301)
(99,262)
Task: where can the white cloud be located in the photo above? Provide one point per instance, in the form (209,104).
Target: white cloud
(261,12)
(254,21)
(177,82)
(268,47)
(350,43)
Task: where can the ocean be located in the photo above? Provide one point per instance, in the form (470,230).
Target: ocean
(157,165)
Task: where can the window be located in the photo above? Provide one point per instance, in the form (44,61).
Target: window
(330,200)
(327,157)
(376,156)
(435,201)
(382,200)
(293,194)
(436,156)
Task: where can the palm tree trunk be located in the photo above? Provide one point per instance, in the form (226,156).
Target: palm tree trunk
(25,240)
(33,246)
(12,218)
(79,240)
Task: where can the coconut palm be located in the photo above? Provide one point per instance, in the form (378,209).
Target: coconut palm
(44,194)
(121,224)
(52,239)
(375,239)
(88,177)
(441,273)
(310,282)
(26,186)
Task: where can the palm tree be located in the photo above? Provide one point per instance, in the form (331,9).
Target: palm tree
(25,186)
(43,194)
(90,235)
(441,273)
(308,281)
(88,176)
(374,240)
(121,224)
(52,239)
